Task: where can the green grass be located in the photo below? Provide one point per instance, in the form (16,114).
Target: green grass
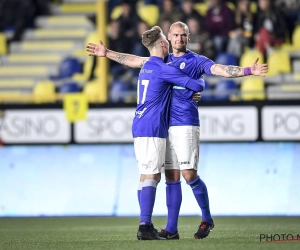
(120,233)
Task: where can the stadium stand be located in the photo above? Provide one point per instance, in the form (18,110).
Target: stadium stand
(70,25)
(44,50)
(69,87)
(295,45)
(149,13)
(273,62)
(249,57)
(252,88)
(283,92)
(201,8)
(226,59)
(44,92)
(3,45)
(225,89)
(69,66)
(90,90)
(87,71)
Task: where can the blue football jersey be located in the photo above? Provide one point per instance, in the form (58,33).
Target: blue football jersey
(184,110)
(154,90)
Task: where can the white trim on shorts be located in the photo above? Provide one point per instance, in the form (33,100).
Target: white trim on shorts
(150,154)
(182,148)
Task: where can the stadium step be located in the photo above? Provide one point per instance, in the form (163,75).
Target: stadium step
(34,58)
(80,1)
(67,46)
(284,92)
(296,65)
(27,71)
(56,34)
(16,83)
(64,22)
(74,8)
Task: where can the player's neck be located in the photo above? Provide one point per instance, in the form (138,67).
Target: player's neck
(178,53)
(158,53)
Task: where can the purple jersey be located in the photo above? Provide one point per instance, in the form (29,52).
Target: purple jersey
(154,96)
(184,110)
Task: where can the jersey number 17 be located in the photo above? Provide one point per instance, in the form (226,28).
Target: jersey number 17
(143,89)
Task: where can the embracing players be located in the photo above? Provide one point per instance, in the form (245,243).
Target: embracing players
(182,153)
(151,122)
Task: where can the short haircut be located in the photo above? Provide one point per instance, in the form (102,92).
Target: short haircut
(150,37)
(180,24)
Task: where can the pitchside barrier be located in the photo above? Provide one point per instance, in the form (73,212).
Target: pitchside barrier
(80,123)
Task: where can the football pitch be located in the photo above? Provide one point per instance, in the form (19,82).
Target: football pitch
(120,233)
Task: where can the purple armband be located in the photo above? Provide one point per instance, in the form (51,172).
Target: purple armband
(247,71)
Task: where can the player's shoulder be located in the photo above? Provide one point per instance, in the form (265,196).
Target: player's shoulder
(153,66)
(194,56)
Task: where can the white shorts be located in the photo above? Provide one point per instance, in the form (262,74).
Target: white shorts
(182,151)
(150,154)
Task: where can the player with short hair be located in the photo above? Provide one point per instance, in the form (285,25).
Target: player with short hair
(151,122)
(182,153)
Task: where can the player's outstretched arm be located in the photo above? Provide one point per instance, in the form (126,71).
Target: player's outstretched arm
(235,71)
(125,59)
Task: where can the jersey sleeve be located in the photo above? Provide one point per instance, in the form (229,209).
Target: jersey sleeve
(175,76)
(205,64)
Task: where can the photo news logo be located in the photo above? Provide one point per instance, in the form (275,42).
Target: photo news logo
(278,237)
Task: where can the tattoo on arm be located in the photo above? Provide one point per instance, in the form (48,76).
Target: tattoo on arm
(121,59)
(233,71)
(142,63)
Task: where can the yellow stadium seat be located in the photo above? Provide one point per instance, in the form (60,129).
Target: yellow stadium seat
(253,88)
(93,37)
(278,62)
(44,92)
(295,41)
(249,56)
(92,91)
(116,12)
(3,45)
(87,70)
(231,6)
(253,7)
(201,8)
(149,13)
(296,37)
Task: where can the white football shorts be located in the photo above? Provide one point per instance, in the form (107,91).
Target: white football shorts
(150,154)
(182,149)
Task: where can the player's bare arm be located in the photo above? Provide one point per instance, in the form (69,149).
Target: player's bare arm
(125,59)
(230,71)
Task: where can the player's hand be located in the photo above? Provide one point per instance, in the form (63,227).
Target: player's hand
(259,69)
(196,96)
(96,50)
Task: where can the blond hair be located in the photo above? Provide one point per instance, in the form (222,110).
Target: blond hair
(150,37)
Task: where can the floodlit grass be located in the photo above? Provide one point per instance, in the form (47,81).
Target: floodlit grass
(120,233)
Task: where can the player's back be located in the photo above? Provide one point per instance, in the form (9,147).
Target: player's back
(153,101)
